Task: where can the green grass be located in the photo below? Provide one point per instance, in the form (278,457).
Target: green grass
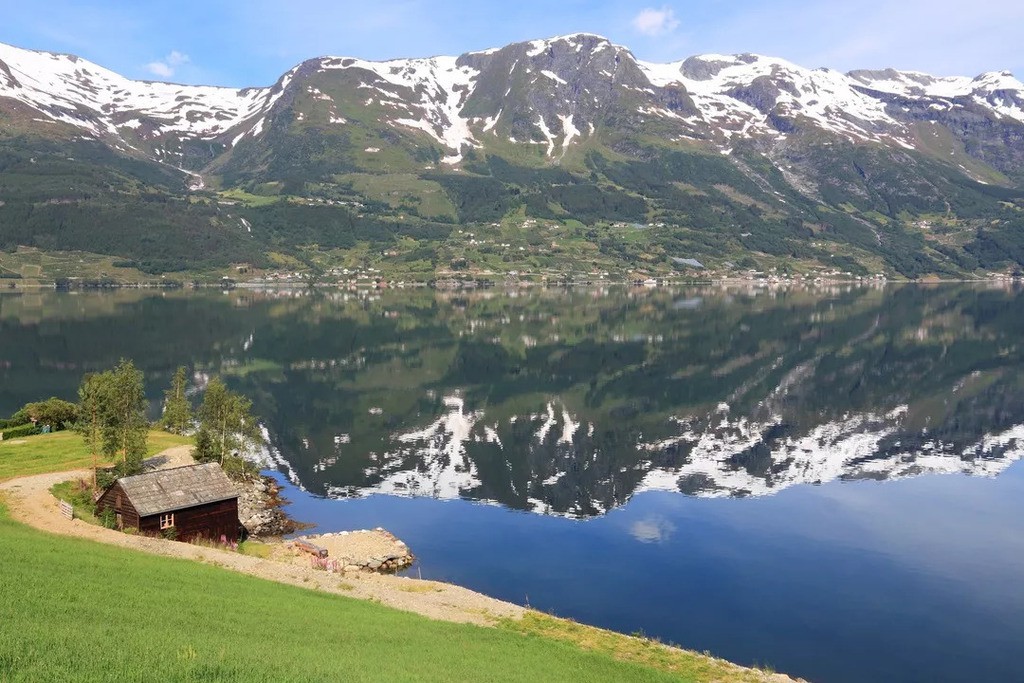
(63,451)
(43,267)
(75,610)
(398,189)
(254,548)
(80,497)
(248,199)
(649,652)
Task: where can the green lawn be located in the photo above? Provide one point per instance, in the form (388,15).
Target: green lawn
(62,451)
(76,610)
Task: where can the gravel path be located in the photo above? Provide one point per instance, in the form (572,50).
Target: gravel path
(30,502)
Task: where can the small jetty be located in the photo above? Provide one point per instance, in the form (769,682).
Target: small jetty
(367,550)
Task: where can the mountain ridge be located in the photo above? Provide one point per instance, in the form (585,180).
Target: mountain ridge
(570,128)
(688,72)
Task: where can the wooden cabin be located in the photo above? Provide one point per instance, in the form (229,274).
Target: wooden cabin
(196,501)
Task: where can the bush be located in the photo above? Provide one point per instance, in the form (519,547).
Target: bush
(204,450)
(237,468)
(15,420)
(53,411)
(108,518)
(22,430)
(105,477)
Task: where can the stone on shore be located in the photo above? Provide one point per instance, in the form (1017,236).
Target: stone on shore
(375,550)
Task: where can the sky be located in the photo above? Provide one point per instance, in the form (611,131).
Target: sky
(252,43)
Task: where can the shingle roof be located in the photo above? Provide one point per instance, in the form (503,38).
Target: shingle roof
(177,488)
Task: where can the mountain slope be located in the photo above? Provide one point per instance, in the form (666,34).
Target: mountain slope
(744,161)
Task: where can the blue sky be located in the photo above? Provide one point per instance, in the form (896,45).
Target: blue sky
(253,42)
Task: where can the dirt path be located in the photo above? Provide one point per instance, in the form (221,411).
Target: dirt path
(30,502)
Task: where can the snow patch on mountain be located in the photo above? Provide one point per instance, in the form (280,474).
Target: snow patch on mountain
(998,90)
(549,137)
(569,131)
(435,89)
(553,76)
(741,94)
(76,91)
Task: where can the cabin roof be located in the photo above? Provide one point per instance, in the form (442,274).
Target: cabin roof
(177,488)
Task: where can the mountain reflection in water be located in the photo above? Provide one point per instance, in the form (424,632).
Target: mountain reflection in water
(569,402)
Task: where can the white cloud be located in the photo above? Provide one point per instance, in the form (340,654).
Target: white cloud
(655,22)
(160,69)
(176,58)
(166,67)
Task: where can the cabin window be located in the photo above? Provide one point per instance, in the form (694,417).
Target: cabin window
(117,501)
(167,521)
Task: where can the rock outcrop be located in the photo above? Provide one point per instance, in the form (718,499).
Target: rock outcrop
(260,507)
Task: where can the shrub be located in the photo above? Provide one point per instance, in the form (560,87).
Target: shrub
(108,475)
(327,564)
(108,518)
(105,477)
(22,430)
(204,450)
(238,468)
(53,411)
(222,544)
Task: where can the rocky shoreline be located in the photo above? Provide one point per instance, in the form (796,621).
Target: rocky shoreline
(260,508)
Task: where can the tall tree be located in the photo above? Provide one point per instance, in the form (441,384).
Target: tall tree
(177,415)
(112,416)
(91,399)
(126,428)
(226,424)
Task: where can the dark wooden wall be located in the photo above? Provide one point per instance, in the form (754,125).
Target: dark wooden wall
(109,499)
(210,521)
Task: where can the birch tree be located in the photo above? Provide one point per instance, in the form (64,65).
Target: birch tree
(226,424)
(177,415)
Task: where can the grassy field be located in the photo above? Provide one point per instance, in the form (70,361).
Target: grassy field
(62,451)
(248,199)
(76,610)
(43,267)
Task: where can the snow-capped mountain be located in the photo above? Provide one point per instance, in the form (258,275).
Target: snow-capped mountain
(149,118)
(550,93)
(798,163)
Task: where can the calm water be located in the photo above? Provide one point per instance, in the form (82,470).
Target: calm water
(825,481)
